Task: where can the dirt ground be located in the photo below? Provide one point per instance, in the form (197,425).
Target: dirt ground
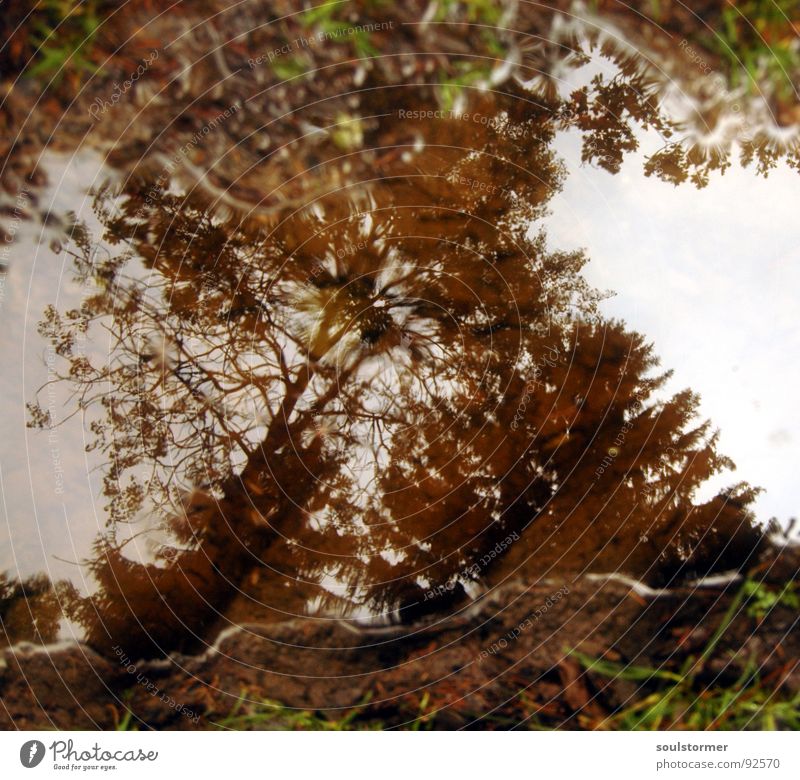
(492,666)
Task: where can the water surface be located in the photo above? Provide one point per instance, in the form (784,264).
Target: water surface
(341,346)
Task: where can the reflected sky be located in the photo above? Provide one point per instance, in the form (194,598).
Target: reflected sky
(50,510)
(712,277)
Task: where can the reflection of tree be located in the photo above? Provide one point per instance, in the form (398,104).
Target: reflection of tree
(385,385)
(32,609)
(573,459)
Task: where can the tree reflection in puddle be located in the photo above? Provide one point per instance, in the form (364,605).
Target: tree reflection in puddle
(360,380)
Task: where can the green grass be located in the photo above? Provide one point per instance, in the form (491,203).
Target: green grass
(333,20)
(126,721)
(468,74)
(477,11)
(63,36)
(758,44)
(289,68)
(269,715)
(761,598)
(681,701)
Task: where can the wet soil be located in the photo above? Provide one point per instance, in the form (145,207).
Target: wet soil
(494,665)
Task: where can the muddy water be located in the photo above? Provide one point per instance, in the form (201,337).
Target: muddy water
(342,350)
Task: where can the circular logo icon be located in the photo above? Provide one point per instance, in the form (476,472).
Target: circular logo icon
(31,753)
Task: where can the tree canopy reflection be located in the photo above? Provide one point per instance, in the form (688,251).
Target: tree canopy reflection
(366,393)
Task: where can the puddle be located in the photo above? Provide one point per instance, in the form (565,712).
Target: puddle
(329,337)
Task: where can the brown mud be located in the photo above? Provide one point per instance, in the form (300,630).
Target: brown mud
(497,665)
